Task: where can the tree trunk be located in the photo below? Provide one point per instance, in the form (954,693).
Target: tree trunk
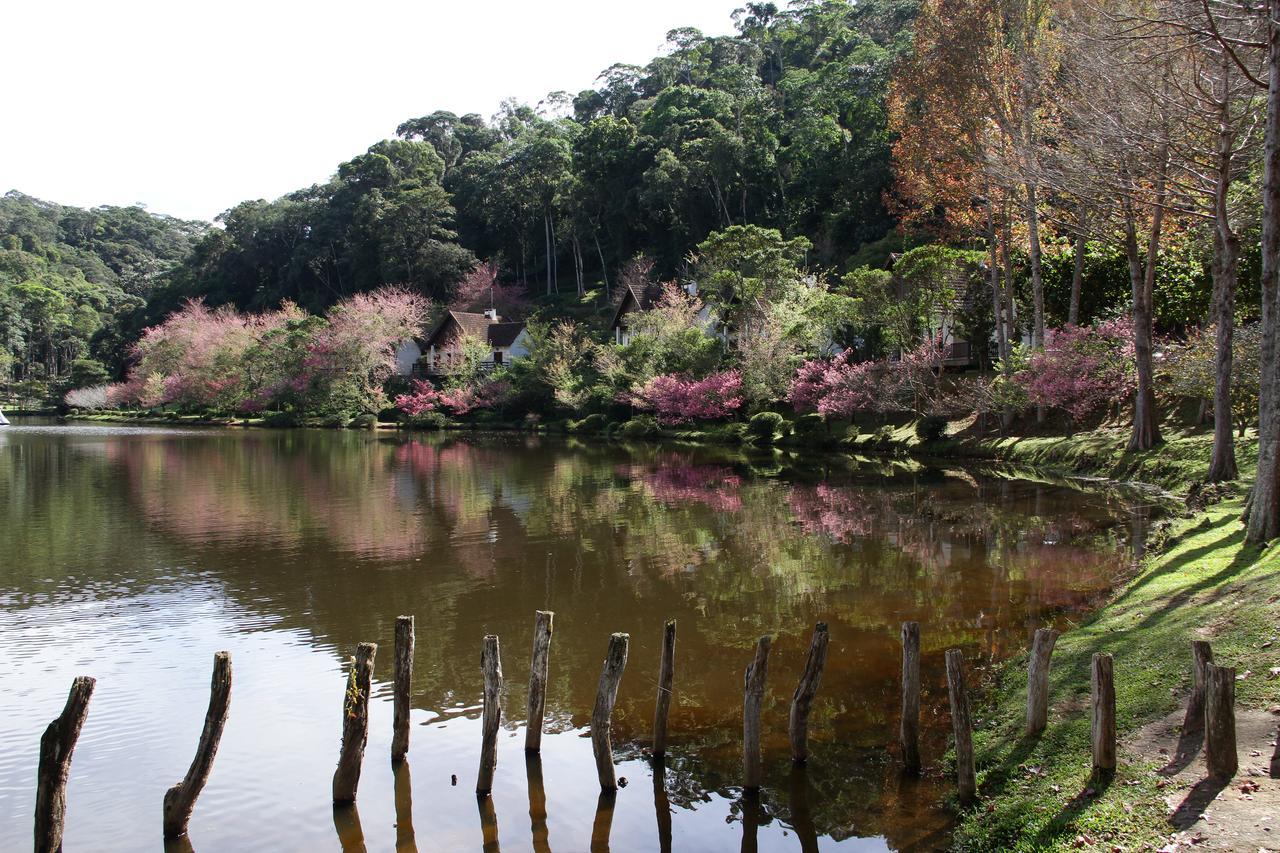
(1222,466)
(1037,279)
(1146,433)
(56,746)
(180,800)
(997,303)
(1264,506)
(1077,277)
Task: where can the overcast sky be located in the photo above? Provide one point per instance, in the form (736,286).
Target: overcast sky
(189,107)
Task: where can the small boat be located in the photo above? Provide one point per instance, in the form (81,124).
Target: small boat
(3,420)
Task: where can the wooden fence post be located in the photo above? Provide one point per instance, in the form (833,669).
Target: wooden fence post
(962,726)
(355,724)
(538,669)
(753,683)
(403,688)
(1201,657)
(666,675)
(56,746)
(1220,721)
(909,729)
(1038,680)
(615,662)
(180,800)
(491,665)
(1104,715)
(806,689)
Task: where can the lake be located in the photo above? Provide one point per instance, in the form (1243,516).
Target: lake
(134,554)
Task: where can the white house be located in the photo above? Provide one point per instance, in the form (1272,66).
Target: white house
(441,350)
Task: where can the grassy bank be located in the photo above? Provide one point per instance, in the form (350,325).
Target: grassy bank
(1200,582)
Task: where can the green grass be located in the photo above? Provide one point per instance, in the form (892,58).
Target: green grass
(1201,582)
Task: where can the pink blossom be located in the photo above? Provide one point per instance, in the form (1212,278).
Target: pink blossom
(677,399)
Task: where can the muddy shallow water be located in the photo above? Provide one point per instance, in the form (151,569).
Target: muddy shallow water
(133,554)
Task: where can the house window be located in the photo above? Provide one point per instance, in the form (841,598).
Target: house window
(497,356)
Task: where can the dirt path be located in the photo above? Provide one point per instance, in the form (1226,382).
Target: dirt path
(1204,814)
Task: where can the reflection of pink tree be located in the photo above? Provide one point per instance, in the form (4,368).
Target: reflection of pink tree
(841,513)
(673,481)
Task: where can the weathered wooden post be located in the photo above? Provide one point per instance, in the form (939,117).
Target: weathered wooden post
(538,669)
(355,724)
(1220,721)
(666,675)
(180,800)
(1104,715)
(962,726)
(491,665)
(909,729)
(1038,680)
(615,662)
(56,746)
(1275,758)
(403,688)
(752,702)
(806,689)
(1201,657)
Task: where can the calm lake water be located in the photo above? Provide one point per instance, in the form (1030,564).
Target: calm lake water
(134,554)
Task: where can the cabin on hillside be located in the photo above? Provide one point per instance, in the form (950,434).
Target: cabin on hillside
(441,350)
(643,298)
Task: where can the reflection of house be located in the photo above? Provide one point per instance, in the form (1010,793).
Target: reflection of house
(637,298)
(441,351)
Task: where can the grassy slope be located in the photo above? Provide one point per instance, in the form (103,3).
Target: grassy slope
(1201,582)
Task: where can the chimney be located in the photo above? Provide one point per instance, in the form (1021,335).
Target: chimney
(491,314)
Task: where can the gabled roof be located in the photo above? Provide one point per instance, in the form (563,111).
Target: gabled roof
(495,332)
(637,298)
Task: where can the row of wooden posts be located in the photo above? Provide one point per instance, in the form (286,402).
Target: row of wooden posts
(1211,706)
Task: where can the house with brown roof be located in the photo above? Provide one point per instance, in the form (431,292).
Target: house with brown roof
(441,351)
(642,298)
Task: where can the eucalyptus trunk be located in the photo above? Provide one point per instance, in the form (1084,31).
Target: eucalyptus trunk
(1264,506)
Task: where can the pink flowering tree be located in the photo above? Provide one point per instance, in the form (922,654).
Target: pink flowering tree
(463,400)
(1082,369)
(480,289)
(677,399)
(841,387)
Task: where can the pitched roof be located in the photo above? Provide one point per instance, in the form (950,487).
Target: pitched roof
(504,334)
(496,333)
(637,298)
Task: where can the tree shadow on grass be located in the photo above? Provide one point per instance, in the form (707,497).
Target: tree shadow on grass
(1244,557)
(1185,559)
(1190,740)
(1094,787)
(1197,800)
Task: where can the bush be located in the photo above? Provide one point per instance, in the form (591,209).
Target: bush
(642,426)
(591,424)
(365,421)
(931,428)
(281,420)
(87,398)
(882,435)
(810,426)
(767,427)
(427,420)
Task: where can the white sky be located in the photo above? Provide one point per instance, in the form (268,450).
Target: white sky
(191,106)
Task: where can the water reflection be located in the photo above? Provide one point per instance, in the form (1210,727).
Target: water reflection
(289,548)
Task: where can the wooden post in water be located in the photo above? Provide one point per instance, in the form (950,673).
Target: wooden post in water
(615,662)
(180,800)
(666,675)
(1201,657)
(802,700)
(962,725)
(403,688)
(1038,680)
(355,724)
(1104,715)
(56,746)
(753,682)
(491,665)
(909,729)
(1220,721)
(538,669)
